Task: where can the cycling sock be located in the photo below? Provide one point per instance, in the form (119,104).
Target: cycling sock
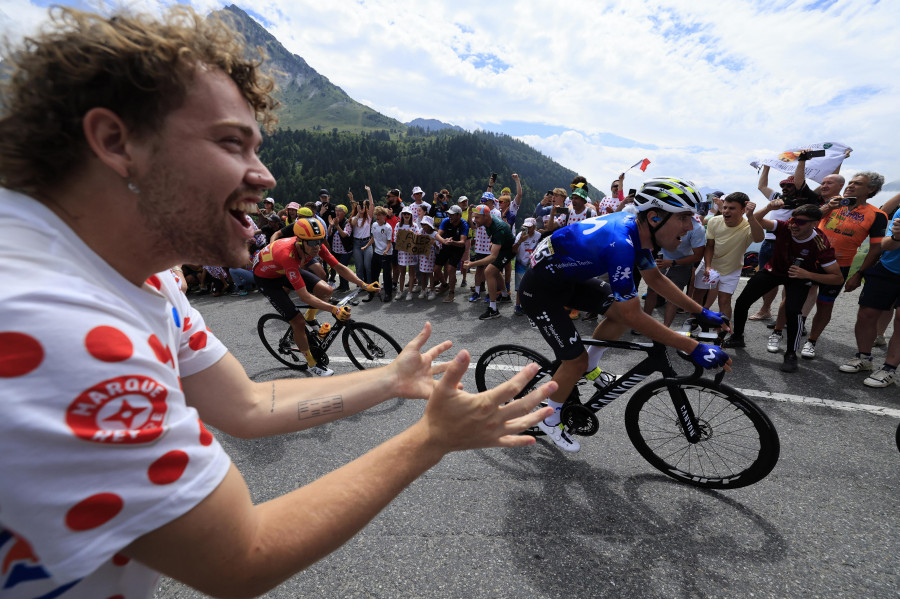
(311,314)
(777,331)
(811,341)
(478,289)
(310,361)
(554,418)
(888,367)
(493,305)
(594,353)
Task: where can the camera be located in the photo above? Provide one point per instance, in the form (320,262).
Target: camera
(807,154)
(848,201)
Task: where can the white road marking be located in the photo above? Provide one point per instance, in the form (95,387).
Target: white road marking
(784,397)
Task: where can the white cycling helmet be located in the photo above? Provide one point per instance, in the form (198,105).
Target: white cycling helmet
(669,194)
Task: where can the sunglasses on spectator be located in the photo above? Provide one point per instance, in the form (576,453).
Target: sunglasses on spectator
(800,221)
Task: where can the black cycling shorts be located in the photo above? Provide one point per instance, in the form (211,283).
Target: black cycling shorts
(274,290)
(547,298)
(881,290)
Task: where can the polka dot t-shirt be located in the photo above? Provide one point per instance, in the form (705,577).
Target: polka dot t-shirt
(97,445)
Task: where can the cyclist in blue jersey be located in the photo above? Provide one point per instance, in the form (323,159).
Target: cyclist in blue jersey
(564,272)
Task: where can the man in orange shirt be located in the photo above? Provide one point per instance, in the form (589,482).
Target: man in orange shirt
(846,222)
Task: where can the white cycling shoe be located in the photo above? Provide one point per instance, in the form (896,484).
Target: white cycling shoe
(560,436)
(320,370)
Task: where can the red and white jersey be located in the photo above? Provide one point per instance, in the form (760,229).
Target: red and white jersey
(97,444)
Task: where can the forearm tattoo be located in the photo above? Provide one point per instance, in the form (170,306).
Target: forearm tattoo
(321,406)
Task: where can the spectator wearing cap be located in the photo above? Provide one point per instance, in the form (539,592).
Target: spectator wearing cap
(499,255)
(523,246)
(488,199)
(481,248)
(453,235)
(795,192)
(340,235)
(270,225)
(289,214)
(268,207)
(325,208)
(581,209)
(405,259)
(426,260)
(418,197)
(581,182)
(463,203)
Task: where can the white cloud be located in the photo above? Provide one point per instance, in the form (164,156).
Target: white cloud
(712,84)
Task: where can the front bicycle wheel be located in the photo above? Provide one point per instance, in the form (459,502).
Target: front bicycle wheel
(367,346)
(277,336)
(738,444)
(502,362)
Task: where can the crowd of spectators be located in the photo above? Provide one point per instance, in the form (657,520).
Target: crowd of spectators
(491,239)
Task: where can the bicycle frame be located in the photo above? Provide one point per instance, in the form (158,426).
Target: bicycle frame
(657,360)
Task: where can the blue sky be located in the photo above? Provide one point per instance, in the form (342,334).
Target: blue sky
(700,88)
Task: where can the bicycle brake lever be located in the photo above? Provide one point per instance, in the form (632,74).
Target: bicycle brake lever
(721,375)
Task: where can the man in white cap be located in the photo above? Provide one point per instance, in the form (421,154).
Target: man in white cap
(523,246)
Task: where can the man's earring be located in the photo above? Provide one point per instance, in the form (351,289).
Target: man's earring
(133,188)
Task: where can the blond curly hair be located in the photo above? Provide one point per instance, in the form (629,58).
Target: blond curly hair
(136,65)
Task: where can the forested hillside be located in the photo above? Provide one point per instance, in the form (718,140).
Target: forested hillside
(329,140)
(305,161)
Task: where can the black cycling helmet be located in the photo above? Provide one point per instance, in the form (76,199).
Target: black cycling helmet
(668,194)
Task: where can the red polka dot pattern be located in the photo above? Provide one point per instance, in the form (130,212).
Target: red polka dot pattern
(197,341)
(154,282)
(19,354)
(187,323)
(108,344)
(169,468)
(94,511)
(206,437)
(120,560)
(163,354)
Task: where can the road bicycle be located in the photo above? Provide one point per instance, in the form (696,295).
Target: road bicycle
(366,345)
(697,430)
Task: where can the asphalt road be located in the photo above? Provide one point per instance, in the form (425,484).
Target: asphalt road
(536,522)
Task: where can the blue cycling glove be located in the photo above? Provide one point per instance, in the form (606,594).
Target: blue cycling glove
(708,356)
(708,318)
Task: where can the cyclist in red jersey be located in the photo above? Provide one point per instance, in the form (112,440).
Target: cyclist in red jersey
(283,262)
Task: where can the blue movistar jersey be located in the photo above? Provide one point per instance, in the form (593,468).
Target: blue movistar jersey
(608,244)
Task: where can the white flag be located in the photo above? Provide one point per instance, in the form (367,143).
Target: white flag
(816,169)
